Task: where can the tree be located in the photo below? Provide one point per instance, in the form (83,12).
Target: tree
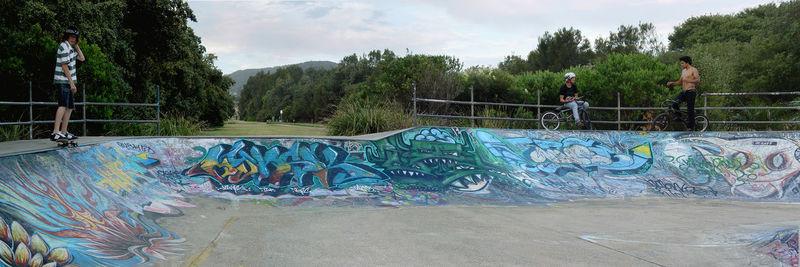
(563,49)
(630,39)
(514,65)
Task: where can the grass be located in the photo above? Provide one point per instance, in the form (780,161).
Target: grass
(247,128)
(13,132)
(360,116)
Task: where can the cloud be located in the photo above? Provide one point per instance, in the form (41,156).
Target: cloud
(270,33)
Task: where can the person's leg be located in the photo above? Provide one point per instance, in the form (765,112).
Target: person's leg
(572,105)
(70,97)
(61,97)
(677,105)
(689,97)
(65,121)
(59,116)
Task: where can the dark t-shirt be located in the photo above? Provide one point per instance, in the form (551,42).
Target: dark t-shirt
(565,91)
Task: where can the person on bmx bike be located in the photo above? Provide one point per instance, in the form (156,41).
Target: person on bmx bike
(689,77)
(568,94)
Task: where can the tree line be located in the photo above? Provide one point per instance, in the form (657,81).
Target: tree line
(751,51)
(132,48)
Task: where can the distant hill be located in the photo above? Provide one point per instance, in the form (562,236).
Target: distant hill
(241,76)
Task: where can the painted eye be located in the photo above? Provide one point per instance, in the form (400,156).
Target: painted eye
(797,154)
(741,157)
(776,162)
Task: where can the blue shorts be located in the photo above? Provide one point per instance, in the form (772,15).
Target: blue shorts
(65,96)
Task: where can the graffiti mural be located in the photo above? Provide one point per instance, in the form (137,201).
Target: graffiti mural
(434,160)
(782,246)
(67,208)
(98,205)
(756,167)
(247,168)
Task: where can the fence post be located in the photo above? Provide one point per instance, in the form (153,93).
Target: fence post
(415,103)
(472,107)
(705,105)
(619,113)
(158,109)
(84,109)
(538,105)
(30,110)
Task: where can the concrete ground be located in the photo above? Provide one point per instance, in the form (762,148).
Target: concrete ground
(618,232)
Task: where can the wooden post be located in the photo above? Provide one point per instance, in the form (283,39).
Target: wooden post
(619,112)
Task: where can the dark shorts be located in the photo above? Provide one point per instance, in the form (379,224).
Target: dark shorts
(65,96)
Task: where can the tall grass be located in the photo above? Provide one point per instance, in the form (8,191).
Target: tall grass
(519,113)
(171,125)
(13,132)
(177,125)
(354,117)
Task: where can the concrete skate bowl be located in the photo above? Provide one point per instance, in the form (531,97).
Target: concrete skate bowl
(120,203)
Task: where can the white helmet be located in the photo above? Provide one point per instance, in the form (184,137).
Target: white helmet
(569,75)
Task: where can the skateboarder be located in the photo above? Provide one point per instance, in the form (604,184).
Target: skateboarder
(64,82)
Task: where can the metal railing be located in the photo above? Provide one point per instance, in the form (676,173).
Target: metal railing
(705,108)
(83,104)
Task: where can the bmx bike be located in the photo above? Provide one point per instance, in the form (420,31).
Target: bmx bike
(663,120)
(552,120)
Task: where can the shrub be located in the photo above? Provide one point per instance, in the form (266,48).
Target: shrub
(13,133)
(359,116)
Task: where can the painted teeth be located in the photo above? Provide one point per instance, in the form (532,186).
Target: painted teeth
(469,179)
(458,184)
(439,161)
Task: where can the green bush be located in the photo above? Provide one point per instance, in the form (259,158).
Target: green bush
(177,125)
(13,133)
(496,124)
(357,116)
(519,113)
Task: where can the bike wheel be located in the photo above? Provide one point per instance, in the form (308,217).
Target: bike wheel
(587,122)
(660,123)
(700,123)
(550,121)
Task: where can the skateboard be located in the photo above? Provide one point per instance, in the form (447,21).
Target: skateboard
(66,143)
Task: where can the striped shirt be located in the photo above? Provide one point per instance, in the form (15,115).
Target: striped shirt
(65,55)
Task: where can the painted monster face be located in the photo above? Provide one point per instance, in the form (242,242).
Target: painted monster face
(432,160)
(757,167)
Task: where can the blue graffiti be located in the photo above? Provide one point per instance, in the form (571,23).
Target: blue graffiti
(571,154)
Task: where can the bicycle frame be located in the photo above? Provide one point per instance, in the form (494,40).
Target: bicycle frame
(564,114)
(673,115)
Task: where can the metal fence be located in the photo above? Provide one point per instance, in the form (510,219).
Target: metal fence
(83,105)
(619,122)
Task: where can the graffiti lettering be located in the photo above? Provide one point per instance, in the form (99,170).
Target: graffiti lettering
(232,188)
(169,173)
(716,165)
(683,190)
(135,147)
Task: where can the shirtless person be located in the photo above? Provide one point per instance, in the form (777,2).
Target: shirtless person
(689,77)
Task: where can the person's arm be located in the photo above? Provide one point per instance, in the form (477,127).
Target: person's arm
(72,86)
(564,99)
(80,53)
(679,81)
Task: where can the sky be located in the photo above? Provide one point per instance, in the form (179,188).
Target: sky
(261,33)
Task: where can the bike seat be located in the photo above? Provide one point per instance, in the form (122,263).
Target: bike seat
(561,108)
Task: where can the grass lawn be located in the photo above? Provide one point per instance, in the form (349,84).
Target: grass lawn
(247,128)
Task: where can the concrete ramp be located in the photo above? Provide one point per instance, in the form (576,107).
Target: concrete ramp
(176,201)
